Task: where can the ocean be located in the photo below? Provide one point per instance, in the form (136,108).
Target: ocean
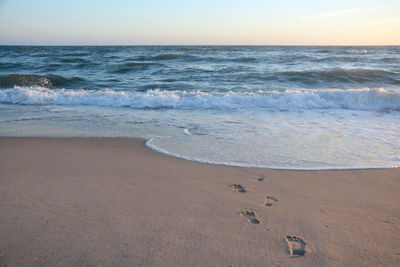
(283,107)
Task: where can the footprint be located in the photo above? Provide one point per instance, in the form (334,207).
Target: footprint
(250,215)
(238,188)
(269,201)
(297,246)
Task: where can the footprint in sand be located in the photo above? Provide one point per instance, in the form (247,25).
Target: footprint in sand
(297,246)
(250,215)
(269,201)
(238,188)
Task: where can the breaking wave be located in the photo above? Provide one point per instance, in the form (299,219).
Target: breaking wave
(356,99)
(33,80)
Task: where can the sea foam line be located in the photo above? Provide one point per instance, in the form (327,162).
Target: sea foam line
(149,144)
(357,99)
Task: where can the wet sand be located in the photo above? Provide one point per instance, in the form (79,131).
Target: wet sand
(113,202)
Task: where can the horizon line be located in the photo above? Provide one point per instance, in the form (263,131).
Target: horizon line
(304,45)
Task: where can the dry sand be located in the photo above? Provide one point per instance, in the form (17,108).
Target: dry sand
(113,202)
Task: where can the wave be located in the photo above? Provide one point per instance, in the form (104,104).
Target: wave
(9,65)
(33,80)
(77,54)
(268,165)
(390,59)
(169,80)
(337,58)
(136,64)
(190,48)
(356,99)
(166,57)
(29,118)
(72,60)
(341,75)
(324,51)
(245,59)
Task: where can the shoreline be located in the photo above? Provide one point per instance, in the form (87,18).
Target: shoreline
(114,201)
(160,151)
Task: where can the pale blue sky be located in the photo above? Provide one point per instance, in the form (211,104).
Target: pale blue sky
(200,22)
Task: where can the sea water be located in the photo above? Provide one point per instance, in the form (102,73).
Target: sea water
(280,107)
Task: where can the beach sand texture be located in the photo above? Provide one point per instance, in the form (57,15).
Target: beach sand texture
(113,202)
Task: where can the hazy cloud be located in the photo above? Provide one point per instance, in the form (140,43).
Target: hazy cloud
(332,14)
(388,20)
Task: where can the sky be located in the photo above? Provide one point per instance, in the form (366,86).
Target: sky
(203,22)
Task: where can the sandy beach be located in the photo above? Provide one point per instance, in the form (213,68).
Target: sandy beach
(113,202)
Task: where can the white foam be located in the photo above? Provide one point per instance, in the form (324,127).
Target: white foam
(186,131)
(357,99)
(310,139)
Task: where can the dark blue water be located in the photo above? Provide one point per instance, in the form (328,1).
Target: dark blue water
(205,68)
(267,106)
